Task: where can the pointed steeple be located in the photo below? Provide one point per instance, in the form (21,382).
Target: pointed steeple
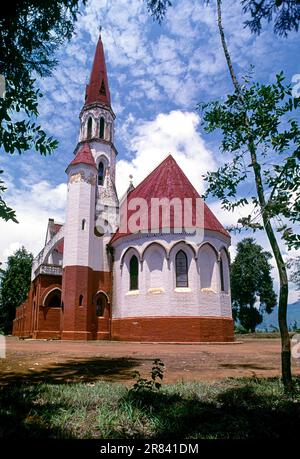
(98,90)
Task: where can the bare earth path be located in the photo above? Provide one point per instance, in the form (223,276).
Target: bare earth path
(65,361)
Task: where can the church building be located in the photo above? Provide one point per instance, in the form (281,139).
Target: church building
(152,265)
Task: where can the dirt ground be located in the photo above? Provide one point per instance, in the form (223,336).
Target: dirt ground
(34,361)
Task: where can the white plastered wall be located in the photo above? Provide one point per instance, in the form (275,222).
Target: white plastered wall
(157,294)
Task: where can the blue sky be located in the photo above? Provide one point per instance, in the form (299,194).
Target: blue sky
(157,74)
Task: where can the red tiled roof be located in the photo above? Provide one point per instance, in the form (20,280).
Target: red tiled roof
(84,156)
(97,90)
(60,246)
(168,181)
(54,228)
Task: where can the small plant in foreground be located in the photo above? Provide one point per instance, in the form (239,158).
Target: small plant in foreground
(153,384)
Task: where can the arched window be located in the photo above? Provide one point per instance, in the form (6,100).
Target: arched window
(134,273)
(80,300)
(100,306)
(208,268)
(102,88)
(101,173)
(222,276)
(83,224)
(101,129)
(53,299)
(89,128)
(181,269)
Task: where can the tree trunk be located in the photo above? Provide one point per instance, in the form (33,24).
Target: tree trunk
(225,48)
(283,279)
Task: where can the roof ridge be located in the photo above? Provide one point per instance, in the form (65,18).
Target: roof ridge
(153,170)
(169,181)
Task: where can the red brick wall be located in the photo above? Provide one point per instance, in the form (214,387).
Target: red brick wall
(173,329)
(27,322)
(81,322)
(49,319)
(103,331)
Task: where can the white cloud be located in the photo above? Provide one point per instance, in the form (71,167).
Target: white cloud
(34,204)
(229,218)
(261,238)
(174,65)
(151,141)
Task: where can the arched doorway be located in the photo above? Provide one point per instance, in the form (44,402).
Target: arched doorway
(49,318)
(53,299)
(102,315)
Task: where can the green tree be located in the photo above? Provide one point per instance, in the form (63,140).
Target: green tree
(284,13)
(158,8)
(15,284)
(30,32)
(251,284)
(264,142)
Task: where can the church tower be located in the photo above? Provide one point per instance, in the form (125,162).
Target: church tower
(91,215)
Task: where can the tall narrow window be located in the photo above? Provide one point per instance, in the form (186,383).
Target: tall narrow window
(99,307)
(89,128)
(83,224)
(80,300)
(101,129)
(222,276)
(102,88)
(101,173)
(102,309)
(134,273)
(181,269)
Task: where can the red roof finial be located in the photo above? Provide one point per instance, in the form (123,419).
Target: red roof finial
(97,90)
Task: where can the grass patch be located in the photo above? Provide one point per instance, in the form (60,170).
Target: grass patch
(233,408)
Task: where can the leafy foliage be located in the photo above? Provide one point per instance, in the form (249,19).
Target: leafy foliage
(30,32)
(286,14)
(153,384)
(253,125)
(6,212)
(15,284)
(262,115)
(158,8)
(251,283)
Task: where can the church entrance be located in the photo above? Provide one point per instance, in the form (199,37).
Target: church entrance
(102,315)
(48,319)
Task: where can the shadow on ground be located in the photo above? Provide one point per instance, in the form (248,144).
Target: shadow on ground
(22,416)
(236,413)
(76,371)
(17,420)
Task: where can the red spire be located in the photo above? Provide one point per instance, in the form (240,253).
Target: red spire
(97,90)
(84,156)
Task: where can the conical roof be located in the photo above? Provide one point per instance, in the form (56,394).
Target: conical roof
(168,181)
(98,90)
